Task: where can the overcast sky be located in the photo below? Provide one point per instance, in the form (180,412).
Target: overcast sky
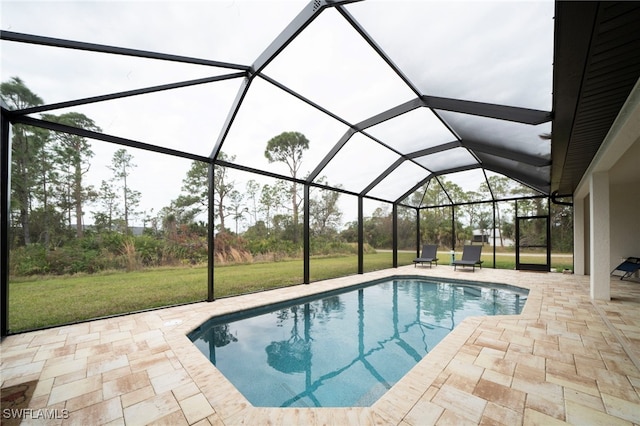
(497,52)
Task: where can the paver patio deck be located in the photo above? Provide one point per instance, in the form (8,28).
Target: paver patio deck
(565,359)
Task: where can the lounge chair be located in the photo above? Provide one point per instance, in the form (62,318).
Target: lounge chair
(429,253)
(470,257)
(628,267)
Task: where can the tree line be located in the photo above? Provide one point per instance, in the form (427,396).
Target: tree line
(51,196)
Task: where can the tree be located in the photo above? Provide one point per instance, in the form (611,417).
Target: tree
(288,148)
(73,153)
(48,225)
(406,228)
(195,199)
(270,200)
(108,200)
(473,210)
(433,194)
(46,177)
(501,186)
(236,207)
(378,228)
(195,186)
(324,212)
(252,191)
(435,223)
(121,166)
(25,147)
(562,227)
(222,189)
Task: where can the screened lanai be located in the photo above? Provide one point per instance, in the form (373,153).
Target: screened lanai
(441,109)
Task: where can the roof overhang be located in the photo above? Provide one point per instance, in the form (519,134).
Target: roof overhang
(596,65)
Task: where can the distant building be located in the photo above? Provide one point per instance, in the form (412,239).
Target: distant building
(486,237)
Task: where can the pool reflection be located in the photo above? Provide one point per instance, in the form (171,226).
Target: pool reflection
(346,349)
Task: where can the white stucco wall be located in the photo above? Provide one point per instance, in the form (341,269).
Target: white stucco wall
(609,198)
(625,221)
(600,232)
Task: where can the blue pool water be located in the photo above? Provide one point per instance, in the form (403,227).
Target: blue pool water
(343,349)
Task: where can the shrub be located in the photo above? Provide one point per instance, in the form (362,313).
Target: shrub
(229,248)
(149,250)
(188,245)
(129,255)
(28,260)
(274,247)
(71,259)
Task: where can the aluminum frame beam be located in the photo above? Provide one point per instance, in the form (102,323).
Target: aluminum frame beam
(521,157)
(415,188)
(383,175)
(231,116)
(334,151)
(435,149)
(532,182)
(305,100)
(365,35)
(102,48)
(389,114)
(482,109)
(136,92)
(295,27)
(57,127)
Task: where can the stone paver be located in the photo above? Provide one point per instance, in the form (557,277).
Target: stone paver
(564,360)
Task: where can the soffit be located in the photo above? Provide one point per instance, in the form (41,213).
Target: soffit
(597,64)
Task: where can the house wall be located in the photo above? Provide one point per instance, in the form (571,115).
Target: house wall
(624,224)
(610,190)
(625,221)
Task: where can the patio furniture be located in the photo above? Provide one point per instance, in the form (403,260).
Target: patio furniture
(628,267)
(429,254)
(470,257)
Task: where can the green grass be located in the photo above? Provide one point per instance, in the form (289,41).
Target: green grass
(59,300)
(47,301)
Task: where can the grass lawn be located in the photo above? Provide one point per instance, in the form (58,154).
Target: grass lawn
(47,301)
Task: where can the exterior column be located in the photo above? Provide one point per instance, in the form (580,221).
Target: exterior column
(579,206)
(600,247)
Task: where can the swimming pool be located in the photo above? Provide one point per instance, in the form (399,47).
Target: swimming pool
(343,348)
